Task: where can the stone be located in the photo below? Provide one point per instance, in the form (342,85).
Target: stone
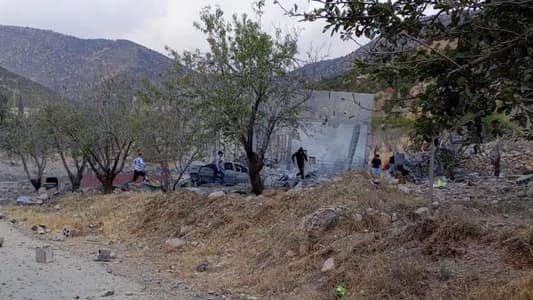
(328,265)
(42,191)
(358,218)
(58,237)
(422,213)
(176,243)
(105,255)
(92,239)
(394,217)
(108,294)
(322,220)
(57,207)
(202,267)
(1,242)
(290,253)
(215,195)
(185,229)
(44,255)
(404,189)
(435,204)
(385,219)
(2,216)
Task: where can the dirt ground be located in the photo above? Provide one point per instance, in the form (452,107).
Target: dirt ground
(474,246)
(69,276)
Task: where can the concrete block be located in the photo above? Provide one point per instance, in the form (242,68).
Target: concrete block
(44,255)
(105,255)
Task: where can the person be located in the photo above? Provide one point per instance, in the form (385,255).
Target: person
(139,167)
(301,158)
(376,165)
(392,166)
(218,168)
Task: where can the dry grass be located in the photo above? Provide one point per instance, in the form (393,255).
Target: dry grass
(258,246)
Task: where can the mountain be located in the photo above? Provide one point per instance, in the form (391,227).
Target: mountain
(18,88)
(73,66)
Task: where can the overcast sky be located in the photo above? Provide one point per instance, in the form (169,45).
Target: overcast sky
(156,23)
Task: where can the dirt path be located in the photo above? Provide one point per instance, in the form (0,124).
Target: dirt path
(68,277)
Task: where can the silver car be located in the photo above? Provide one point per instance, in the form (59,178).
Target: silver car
(234,173)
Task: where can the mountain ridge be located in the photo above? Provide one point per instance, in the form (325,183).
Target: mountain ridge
(73,66)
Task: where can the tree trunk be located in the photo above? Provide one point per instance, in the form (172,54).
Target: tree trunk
(107,186)
(75,181)
(254,168)
(165,176)
(431,175)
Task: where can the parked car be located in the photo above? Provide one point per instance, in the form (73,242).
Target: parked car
(234,173)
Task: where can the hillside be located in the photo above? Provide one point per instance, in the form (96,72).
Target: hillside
(73,66)
(31,93)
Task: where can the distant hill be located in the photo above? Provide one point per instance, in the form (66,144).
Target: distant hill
(73,66)
(18,88)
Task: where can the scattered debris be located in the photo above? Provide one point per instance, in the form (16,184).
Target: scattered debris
(108,294)
(328,265)
(70,232)
(218,194)
(422,213)
(175,243)
(105,255)
(202,267)
(27,200)
(44,255)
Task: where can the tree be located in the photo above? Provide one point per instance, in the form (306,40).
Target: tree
(68,133)
(23,136)
(472,57)
(244,82)
(171,131)
(111,125)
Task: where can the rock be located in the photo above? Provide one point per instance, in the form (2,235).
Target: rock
(58,237)
(385,219)
(358,218)
(322,220)
(108,294)
(435,204)
(41,230)
(185,229)
(57,207)
(290,253)
(1,242)
(105,255)
(13,221)
(42,191)
(328,265)
(27,200)
(422,213)
(202,267)
(92,239)
(2,216)
(218,194)
(175,243)
(404,189)
(394,217)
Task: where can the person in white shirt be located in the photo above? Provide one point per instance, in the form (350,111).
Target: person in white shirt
(139,167)
(218,169)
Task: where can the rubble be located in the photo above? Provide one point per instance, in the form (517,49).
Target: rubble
(328,265)
(422,213)
(175,243)
(27,200)
(44,255)
(322,220)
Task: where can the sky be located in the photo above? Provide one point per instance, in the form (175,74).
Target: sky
(160,23)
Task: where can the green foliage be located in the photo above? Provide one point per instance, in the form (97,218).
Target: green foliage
(243,84)
(472,57)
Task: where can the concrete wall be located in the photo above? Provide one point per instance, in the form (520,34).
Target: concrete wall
(337,130)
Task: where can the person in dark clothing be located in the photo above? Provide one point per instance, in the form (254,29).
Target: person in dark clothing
(376,165)
(301,158)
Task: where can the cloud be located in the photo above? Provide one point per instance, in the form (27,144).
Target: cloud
(155,23)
